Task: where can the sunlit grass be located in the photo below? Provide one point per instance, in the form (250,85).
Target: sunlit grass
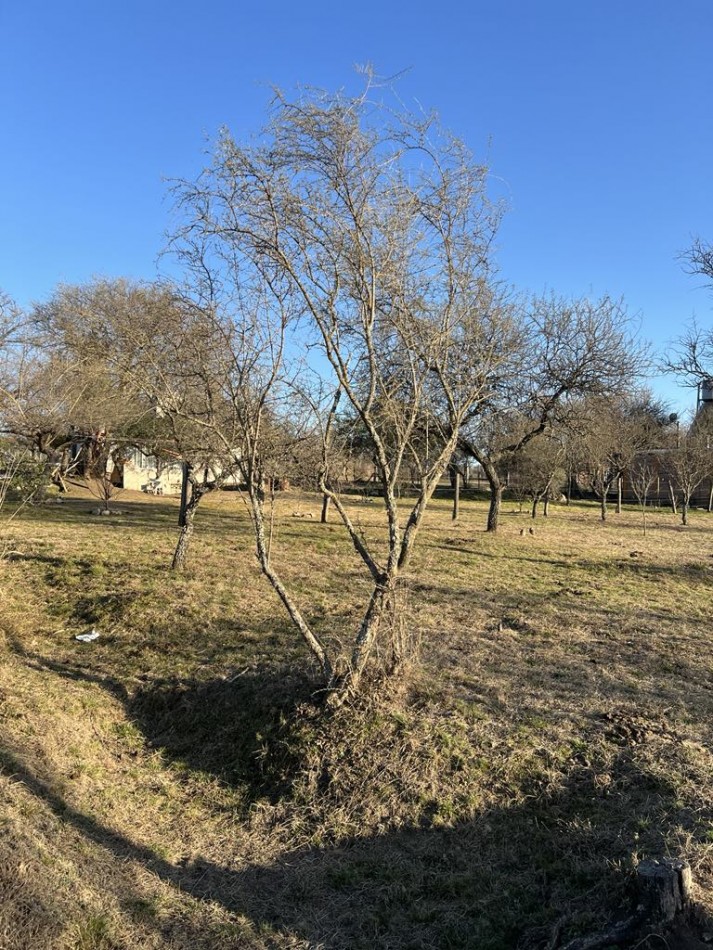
(172,785)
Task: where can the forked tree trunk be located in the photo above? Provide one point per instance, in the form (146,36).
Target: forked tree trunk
(496,489)
(535,502)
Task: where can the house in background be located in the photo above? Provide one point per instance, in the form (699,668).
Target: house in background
(142,472)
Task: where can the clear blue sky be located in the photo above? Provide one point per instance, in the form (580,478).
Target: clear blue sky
(594,116)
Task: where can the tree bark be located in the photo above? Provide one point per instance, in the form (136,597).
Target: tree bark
(496,493)
(684,511)
(546,506)
(672,496)
(496,498)
(603,503)
(619,494)
(324,517)
(369,630)
(533,512)
(184,538)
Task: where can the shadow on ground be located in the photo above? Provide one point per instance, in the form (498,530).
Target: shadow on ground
(511,877)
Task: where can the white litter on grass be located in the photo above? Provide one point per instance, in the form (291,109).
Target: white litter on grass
(87,637)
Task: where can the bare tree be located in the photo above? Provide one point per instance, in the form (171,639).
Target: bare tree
(562,350)
(161,352)
(690,357)
(367,233)
(74,395)
(643,474)
(699,259)
(689,463)
(614,431)
(537,468)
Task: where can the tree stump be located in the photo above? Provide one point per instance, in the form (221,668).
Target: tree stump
(664,888)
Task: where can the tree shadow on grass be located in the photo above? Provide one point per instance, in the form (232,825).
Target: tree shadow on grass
(508,878)
(223,727)
(226,727)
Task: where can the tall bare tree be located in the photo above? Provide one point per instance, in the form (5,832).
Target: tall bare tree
(366,234)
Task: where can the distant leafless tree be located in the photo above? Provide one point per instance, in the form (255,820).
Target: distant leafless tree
(699,259)
(690,357)
(562,350)
(538,470)
(614,431)
(689,463)
(643,474)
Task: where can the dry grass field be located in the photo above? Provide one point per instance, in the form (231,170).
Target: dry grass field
(172,785)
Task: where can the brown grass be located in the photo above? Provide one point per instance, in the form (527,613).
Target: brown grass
(172,786)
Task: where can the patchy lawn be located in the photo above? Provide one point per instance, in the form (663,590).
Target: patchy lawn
(172,786)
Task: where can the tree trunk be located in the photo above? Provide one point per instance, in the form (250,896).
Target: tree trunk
(568,495)
(710,497)
(604,503)
(535,502)
(496,498)
(456,496)
(184,538)
(189,503)
(619,493)
(684,511)
(185,484)
(546,506)
(496,493)
(368,632)
(263,556)
(672,496)
(324,517)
